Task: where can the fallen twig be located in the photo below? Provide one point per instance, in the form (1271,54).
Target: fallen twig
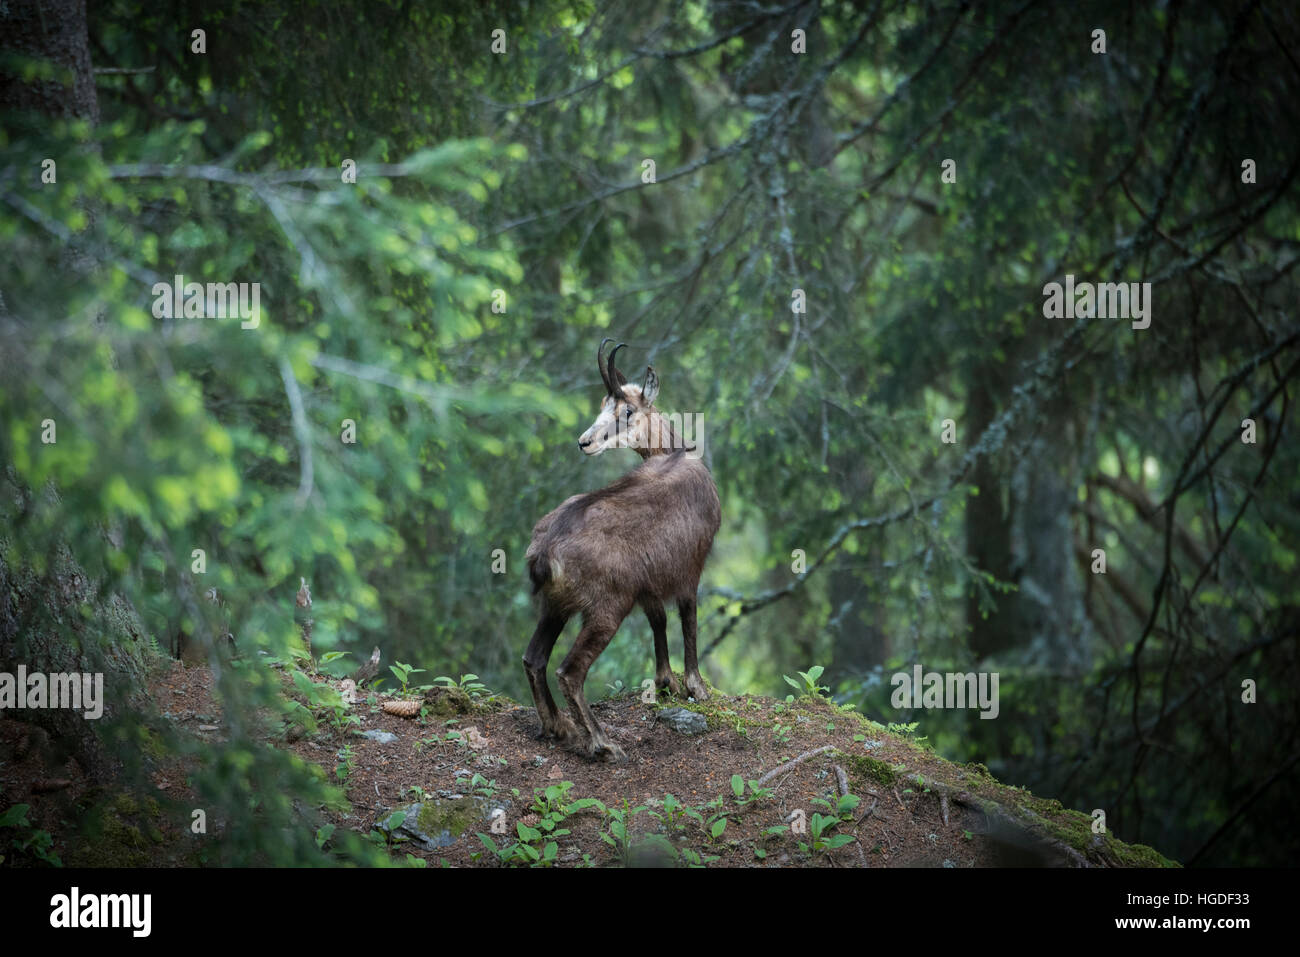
(871,810)
(790,764)
(843,780)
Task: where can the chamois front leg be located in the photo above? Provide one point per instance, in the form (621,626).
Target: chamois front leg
(554,722)
(572,674)
(654,611)
(694,683)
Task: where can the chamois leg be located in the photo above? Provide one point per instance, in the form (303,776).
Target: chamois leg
(654,610)
(572,674)
(536,658)
(694,683)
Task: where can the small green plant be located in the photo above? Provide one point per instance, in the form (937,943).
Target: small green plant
(323,835)
(735,720)
(842,808)
(332,656)
(716,821)
(676,813)
(26,839)
(538,846)
(416,790)
(820,827)
(781,732)
(319,697)
(618,818)
(467,683)
(694,859)
(402,672)
(387,836)
(809,686)
(343,770)
(756,793)
(909,730)
(717,827)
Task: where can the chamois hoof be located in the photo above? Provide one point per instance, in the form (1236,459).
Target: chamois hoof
(695,685)
(563,730)
(671,685)
(610,753)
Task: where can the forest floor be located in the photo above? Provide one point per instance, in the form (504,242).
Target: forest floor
(761,782)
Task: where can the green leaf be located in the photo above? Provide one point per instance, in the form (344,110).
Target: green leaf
(323,834)
(16,816)
(737,785)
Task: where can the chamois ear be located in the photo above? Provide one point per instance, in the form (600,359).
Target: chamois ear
(650,387)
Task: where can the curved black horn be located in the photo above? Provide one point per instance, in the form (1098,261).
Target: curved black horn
(600,364)
(616,378)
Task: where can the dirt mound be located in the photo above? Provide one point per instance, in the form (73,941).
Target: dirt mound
(734,781)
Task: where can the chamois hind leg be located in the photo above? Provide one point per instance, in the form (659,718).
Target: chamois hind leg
(538,655)
(694,683)
(654,611)
(572,674)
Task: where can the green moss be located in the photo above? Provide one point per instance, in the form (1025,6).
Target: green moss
(126,804)
(712,707)
(1140,855)
(1075,829)
(453,816)
(867,768)
(447,702)
(121,830)
(151,743)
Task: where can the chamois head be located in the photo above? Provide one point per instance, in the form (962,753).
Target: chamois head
(628,418)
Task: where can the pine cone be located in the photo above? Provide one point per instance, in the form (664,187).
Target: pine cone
(404,709)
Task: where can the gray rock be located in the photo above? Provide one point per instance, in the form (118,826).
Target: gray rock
(442,820)
(683,721)
(382,737)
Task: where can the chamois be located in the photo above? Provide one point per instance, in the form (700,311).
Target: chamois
(642,540)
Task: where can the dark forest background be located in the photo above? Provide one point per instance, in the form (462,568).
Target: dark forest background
(450,300)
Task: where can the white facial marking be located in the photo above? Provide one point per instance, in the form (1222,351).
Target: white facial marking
(613,428)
